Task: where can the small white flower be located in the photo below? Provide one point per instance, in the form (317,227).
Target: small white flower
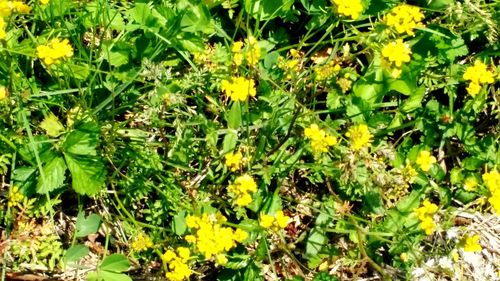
(430,262)
(452,234)
(445,263)
(417,272)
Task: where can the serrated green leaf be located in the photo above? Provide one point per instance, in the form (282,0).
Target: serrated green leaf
(83,140)
(315,242)
(87,225)
(115,263)
(53,178)
(76,252)
(87,173)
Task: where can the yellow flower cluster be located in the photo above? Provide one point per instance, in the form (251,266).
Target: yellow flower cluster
(241,188)
(348,8)
(3,93)
(478,75)
(276,222)
(293,65)
(425,160)
(424,214)
(7,8)
(239,88)
(44,2)
(492,182)
(251,53)
(359,136)
(472,244)
(320,140)
(54,51)
(178,269)
(15,197)
(233,160)
(325,71)
(211,238)
(405,18)
(141,243)
(397,52)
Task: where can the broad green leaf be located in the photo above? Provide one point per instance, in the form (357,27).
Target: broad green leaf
(252,273)
(87,225)
(115,263)
(324,276)
(87,173)
(414,101)
(179,223)
(315,241)
(229,142)
(234,116)
(83,140)
(112,276)
(53,178)
(76,252)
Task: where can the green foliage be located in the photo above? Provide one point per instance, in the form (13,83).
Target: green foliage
(303,134)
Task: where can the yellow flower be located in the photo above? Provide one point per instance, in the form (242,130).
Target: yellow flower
(404,257)
(253,52)
(397,52)
(492,180)
(221,259)
(3,93)
(405,18)
(428,225)
(276,222)
(320,140)
(266,221)
(44,2)
(425,160)
(359,137)
(427,209)
(239,88)
(233,160)
(15,197)
(478,75)
(178,269)
(211,239)
(241,189)
(348,8)
(409,173)
(190,238)
(141,243)
(326,71)
(472,244)
(3,34)
(281,219)
(54,51)
(425,214)
(470,184)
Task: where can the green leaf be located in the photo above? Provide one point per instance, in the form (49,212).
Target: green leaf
(238,261)
(112,276)
(53,177)
(87,225)
(52,125)
(115,263)
(252,273)
(234,116)
(76,252)
(88,173)
(315,242)
(229,142)
(179,223)
(414,101)
(82,141)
